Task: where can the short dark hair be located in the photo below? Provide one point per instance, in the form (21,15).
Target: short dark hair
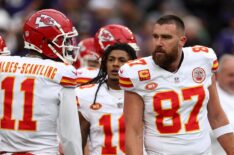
(171,19)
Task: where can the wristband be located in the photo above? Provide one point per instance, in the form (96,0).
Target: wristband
(222,130)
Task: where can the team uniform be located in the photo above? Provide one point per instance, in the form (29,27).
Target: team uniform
(33,106)
(175,104)
(85,74)
(107,128)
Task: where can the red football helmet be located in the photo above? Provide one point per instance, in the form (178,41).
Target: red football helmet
(3,48)
(87,51)
(52,34)
(114,33)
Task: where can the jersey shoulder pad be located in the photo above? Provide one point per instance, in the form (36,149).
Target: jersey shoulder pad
(86,74)
(202,53)
(66,75)
(133,72)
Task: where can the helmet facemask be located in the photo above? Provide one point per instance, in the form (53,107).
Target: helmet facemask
(66,42)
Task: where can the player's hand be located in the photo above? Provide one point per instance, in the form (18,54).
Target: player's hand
(61,150)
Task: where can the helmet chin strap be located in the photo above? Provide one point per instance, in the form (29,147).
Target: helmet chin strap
(61,57)
(32,47)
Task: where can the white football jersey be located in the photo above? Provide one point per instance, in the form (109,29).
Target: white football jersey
(107,130)
(175,113)
(30,91)
(86,74)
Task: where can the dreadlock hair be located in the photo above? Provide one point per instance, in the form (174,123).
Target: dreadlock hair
(102,74)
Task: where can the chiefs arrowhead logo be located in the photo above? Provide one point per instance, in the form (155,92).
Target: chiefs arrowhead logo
(45,21)
(105,35)
(104,38)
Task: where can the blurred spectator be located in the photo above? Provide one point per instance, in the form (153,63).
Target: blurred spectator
(172,7)
(195,31)
(144,35)
(16,6)
(225,87)
(130,14)
(208,11)
(224,42)
(72,8)
(102,12)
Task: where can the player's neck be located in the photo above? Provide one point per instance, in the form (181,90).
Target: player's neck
(174,67)
(113,84)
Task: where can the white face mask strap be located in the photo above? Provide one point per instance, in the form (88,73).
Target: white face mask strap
(222,130)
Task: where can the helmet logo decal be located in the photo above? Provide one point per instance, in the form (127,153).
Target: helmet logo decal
(105,35)
(45,21)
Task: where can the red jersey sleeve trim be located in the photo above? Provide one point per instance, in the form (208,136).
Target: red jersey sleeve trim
(125,82)
(66,81)
(83,80)
(215,66)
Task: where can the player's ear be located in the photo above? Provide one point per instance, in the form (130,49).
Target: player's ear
(183,40)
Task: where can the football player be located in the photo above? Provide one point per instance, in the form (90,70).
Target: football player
(171,97)
(91,49)
(37,97)
(101,100)
(88,61)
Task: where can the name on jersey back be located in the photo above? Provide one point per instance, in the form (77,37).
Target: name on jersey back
(28,68)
